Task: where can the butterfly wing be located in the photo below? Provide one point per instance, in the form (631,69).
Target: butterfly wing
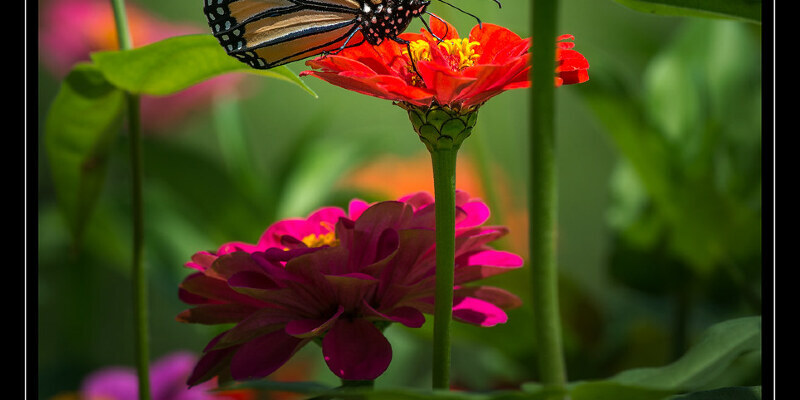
(268,33)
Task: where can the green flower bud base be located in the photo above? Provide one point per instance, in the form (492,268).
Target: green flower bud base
(441,128)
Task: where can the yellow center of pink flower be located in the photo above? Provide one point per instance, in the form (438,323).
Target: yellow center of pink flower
(323,239)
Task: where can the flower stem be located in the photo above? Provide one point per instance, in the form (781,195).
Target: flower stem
(138,276)
(542,197)
(444,187)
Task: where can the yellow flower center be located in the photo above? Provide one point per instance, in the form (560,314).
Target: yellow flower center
(462,52)
(329,239)
(419,50)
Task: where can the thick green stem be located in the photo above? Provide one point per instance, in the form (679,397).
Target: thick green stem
(138,276)
(444,187)
(138,273)
(121,22)
(542,197)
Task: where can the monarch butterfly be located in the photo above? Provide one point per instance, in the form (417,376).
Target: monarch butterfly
(268,33)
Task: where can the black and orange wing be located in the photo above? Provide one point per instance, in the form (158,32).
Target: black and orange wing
(268,33)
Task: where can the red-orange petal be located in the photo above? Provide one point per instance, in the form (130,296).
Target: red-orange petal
(493,40)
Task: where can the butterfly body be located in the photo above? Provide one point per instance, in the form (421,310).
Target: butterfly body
(268,33)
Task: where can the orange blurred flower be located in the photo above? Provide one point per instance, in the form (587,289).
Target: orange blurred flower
(391,176)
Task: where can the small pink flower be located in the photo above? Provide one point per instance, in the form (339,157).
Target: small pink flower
(167,382)
(340,277)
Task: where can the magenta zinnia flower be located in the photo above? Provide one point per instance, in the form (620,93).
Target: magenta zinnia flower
(340,277)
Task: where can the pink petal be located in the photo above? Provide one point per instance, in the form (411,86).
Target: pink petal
(495,258)
(318,222)
(262,356)
(470,239)
(483,264)
(261,322)
(417,200)
(497,296)
(233,247)
(212,314)
(408,316)
(307,328)
(356,208)
(214,289)
(201,261)
(476,213)
(425,217)
(191,298)
(211,363)
(356,350)
(351,289)
(405,267)
(326,215)
(368,242)
(111,383)
(478,312)
(252,279)
(227,265)
(168,374)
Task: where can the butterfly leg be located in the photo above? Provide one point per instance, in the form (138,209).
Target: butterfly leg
(346,42)
(410,55)
(438,39)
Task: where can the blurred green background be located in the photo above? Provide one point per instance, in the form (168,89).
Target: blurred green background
(659,199)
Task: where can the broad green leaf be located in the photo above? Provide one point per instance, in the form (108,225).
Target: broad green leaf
(731,393)
(719,346)
(79,128)
(716,350)
(174,64)
(746,10)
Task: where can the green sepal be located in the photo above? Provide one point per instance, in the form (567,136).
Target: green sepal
(441,128)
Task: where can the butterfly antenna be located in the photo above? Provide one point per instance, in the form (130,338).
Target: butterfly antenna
(480,25)
(447,27)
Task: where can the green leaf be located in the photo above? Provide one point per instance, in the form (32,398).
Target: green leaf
(79,128)
(174,64)
(731,393)
(746,10)
(719,346)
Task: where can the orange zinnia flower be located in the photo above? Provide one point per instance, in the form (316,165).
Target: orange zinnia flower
(456,73)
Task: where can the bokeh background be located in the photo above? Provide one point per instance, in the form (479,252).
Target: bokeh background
(659,167)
